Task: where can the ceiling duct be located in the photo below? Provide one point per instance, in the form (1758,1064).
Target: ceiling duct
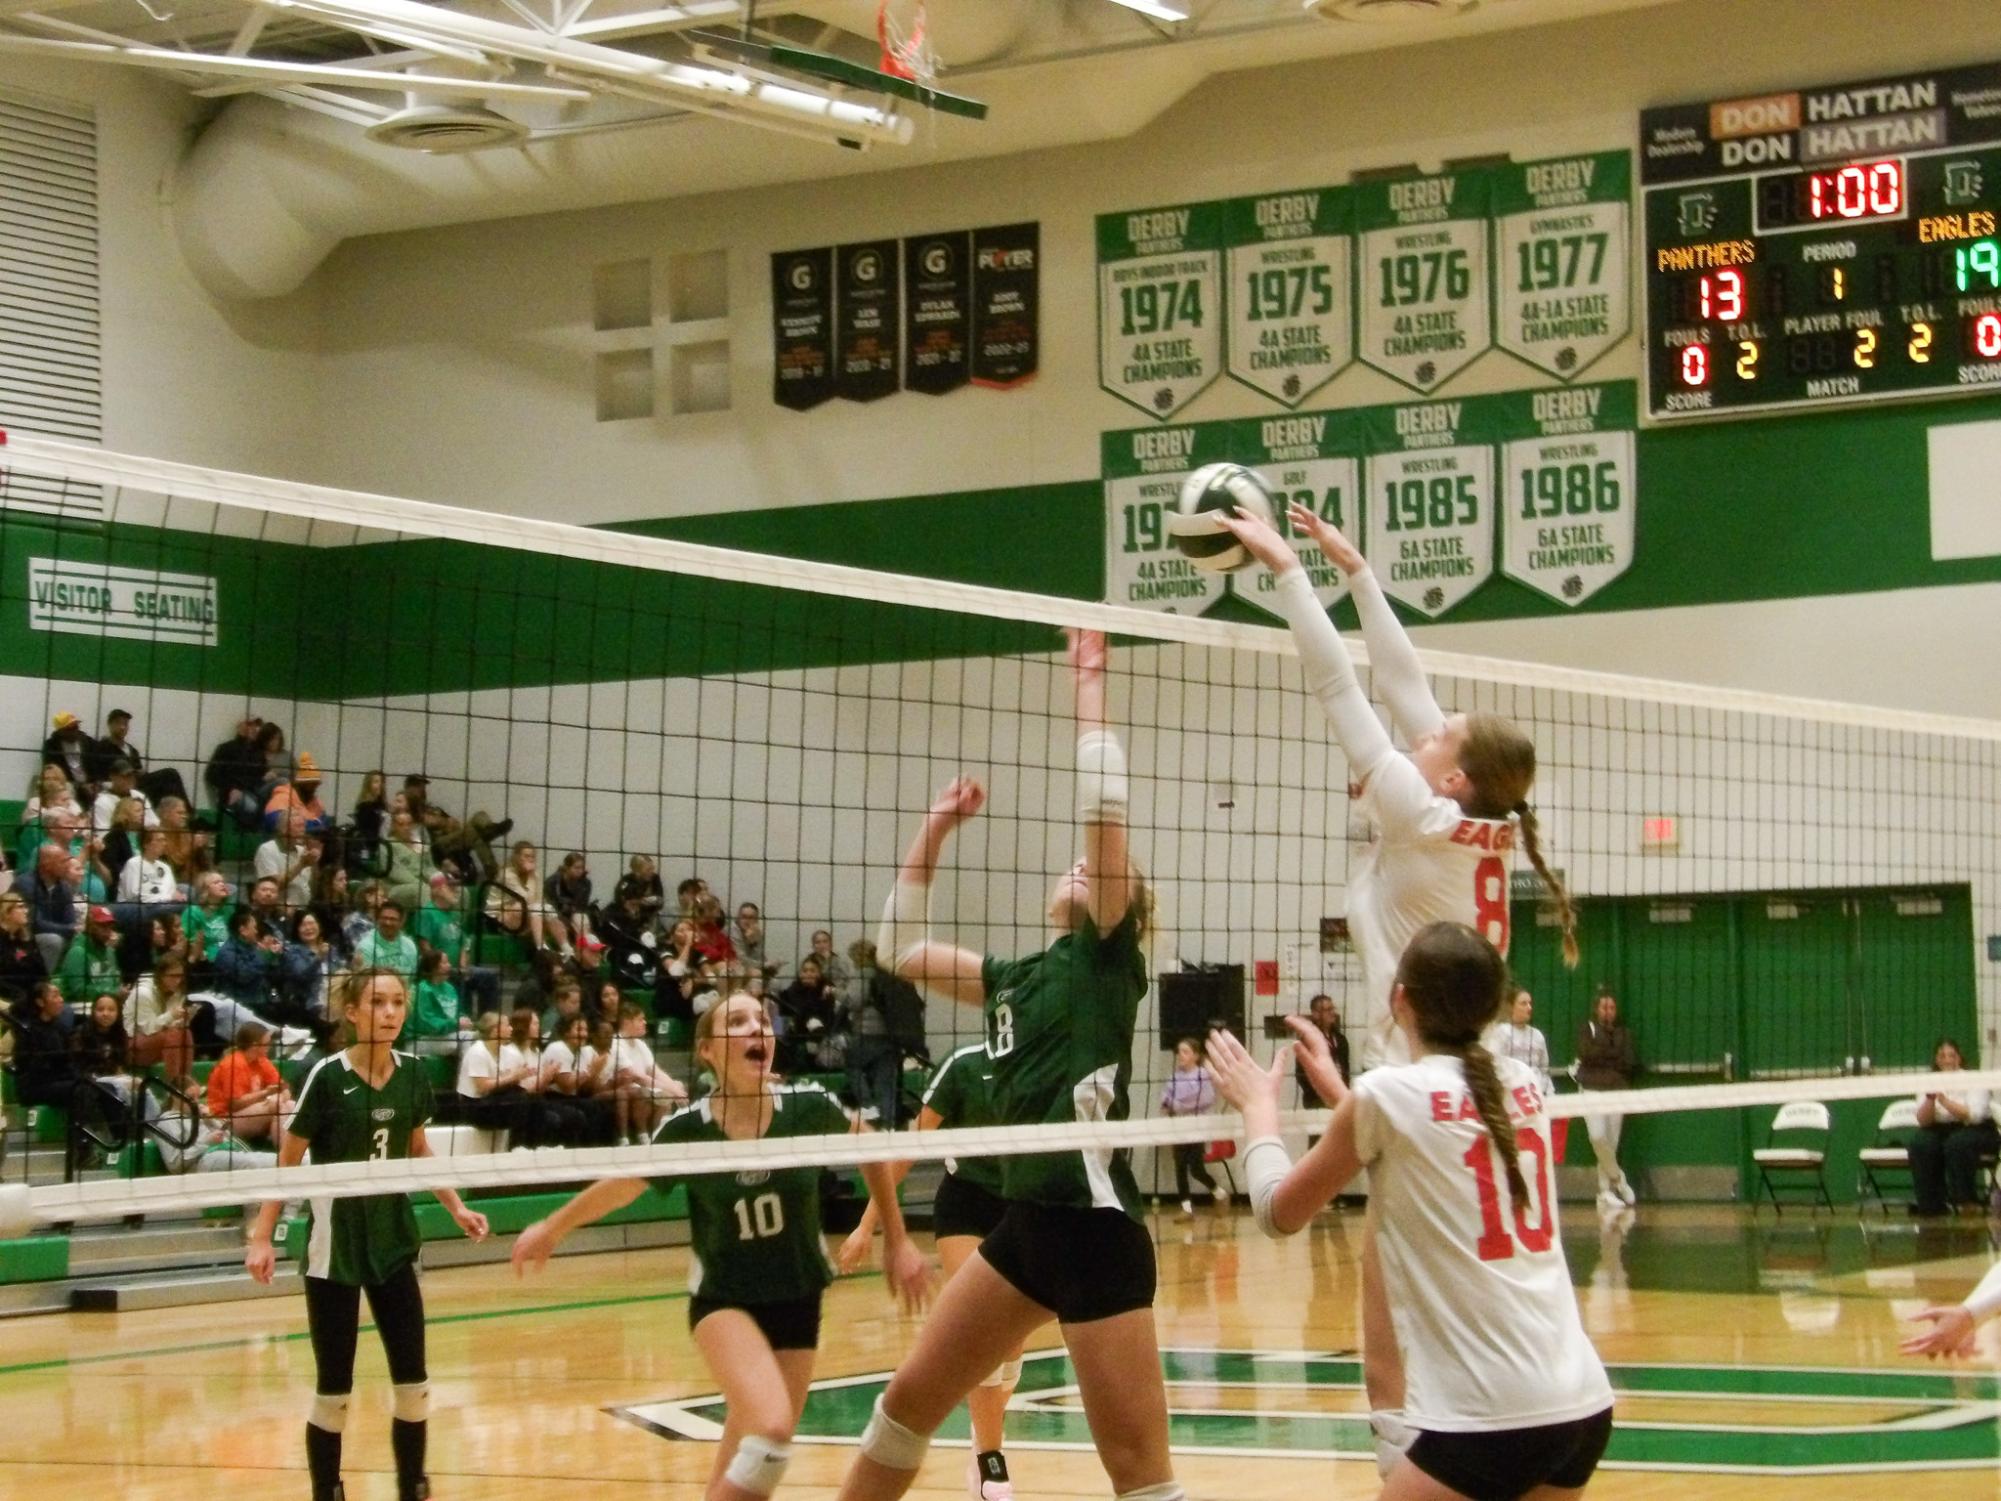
(445,128)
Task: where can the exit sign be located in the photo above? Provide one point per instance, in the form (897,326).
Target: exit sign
(1660,833)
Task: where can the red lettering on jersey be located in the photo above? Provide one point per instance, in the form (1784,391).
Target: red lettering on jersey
(1441,1105)
(1526,1100)
(1484,834)
(1468,1111)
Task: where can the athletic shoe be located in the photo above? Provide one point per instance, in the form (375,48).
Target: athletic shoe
(1609,1202)
(986,1477)
(1222,1197)
(1188,1209)
(1624,1189)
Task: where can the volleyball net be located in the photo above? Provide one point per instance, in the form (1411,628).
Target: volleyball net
(1785,899)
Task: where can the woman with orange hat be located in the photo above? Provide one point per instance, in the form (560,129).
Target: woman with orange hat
(302,792)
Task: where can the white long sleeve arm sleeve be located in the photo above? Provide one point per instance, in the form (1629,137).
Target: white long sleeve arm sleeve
(1394,671)
(1266,1162)
(906,924)
(1985,1300)
(1330,675)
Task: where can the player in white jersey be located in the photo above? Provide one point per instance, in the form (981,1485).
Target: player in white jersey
(1507,1396)
(1446,818)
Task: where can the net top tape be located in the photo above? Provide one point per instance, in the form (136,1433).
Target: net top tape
(86,464)
(165,1195)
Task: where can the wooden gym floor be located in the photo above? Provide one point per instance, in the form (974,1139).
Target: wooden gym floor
(1751,1359)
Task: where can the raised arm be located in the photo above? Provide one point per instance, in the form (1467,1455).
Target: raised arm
(1284,1196)
(903,942)
(1103,790)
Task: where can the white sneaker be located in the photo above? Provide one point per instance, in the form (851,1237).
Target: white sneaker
(986,1478)
(1188,1209)
(1222,1197)
(1609,1202)
(1624,1190)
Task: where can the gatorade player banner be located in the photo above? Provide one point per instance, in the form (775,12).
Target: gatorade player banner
(1566,484)
(1290,261)
(1311,458)
(1143,470)
(1564,285)
(1423,285)
(802,321)
(1160,325)
(1428,501)
(937,312)
(865,333)
(1007,304)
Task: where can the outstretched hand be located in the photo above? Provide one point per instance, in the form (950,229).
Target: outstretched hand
(1316,1061)
(1951,1333)
(962,799)
(1087,650)
(1338,549)
(908,1275)
(1240,1078)
(1261,540)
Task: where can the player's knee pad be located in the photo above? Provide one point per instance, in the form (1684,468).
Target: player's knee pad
(1167,1490)
(1007,1373)
(759,1464)
(413,1402)
(329,1413)
(892,1445)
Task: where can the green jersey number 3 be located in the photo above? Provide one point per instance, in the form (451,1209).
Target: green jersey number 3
(759,1218)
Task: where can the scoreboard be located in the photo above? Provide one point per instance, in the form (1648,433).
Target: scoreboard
(1824,245)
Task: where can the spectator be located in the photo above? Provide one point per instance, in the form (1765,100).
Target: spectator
(681,961)
(750,939)
(566,1005)
(158,784)
(1322,1012)
(643,1093)
(642,879)
(568,891)
(291,857)
(629,944)
(112,848)
(1515,1036)
(439,925)
(205,920)
(104,1053)
(605,1003)
(268,903)
(86,876)
(1606,1060)
(589,1119)
(159,1017)
(834,968)
(235,772)
(402,860)
(1954,1132)
(90,968)
(689,894)
(245,1089)
(51,900)
(539,988)
(69,748)
(45,1069)
(275,768)
(514,903)
(147,882)
(330,902)
(160,937)
(299,795)
(53,798)
(435,1016)
(387,946)
(189,850)
(247,962)
(161,999)
(809,1009)
(121,782)
(594,1074)
(491,1074)
(1190,1090)
(371,819)
(711,941)
(360,919)
(307,967)
(22,967)
(875,1055)
(551,1117)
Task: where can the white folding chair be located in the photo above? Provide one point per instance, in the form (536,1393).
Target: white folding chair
(1890,1154)
(1803,1121)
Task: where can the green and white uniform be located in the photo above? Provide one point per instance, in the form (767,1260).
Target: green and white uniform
(1060,1032)
(361,1242)
(755,1235)
(961,1093)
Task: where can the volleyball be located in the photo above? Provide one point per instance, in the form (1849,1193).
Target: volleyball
(1207,495)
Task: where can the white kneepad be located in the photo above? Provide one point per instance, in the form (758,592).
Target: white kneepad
(329,1414)
(1167,1490)
(759,1465)
(413,1402)
(892,1445)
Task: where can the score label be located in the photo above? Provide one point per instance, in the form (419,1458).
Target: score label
(1429,503)
(1312,459)
(1567,489)
(1564,287)
(1426,309)
(1291,273)
(1143,471)
(1160,325)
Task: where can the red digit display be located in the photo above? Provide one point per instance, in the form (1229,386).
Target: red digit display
(1861,190)
(1986,338)
(1695,365)
(1719,296)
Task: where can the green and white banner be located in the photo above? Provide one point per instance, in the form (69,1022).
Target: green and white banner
(1160,313)
(1424,289)
(1291,273)
(1563,282)
(1312,458)
(138,604)
(1567,483)
(1429,508)
(1143,470)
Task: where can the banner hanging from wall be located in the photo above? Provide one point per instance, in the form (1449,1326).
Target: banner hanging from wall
(1143,471)
(1290,277)
(1563,282)
(1007,305)
(1310,459)
(1429,502)
(1567,491)
(1160,315)
(1425,295)
(865,313)
(802,320)
(937,312)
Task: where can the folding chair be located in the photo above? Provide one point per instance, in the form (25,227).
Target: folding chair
(1889,1155)
(1220,1154)
(1802,1119)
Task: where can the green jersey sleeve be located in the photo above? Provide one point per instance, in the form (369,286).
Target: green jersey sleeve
(309,1117)
(423,1099)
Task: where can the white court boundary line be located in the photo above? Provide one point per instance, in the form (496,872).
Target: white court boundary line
(340,1180)
(55,459)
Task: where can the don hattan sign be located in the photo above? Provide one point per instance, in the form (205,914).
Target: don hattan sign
(141,604)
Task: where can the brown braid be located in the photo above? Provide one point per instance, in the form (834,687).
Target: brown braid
(1492,1104)
(1566,911)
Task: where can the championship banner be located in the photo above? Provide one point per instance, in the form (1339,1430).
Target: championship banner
(1160,330)
(1290,260)
(1429,499)
(1564,282)
(802,323)
(865,336)
(937,311)
(1423,288)
(1143,470)
(1311,458)
(1567,484)
(1007,304)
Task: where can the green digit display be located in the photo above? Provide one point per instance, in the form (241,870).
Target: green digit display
(1977,266)
(1282,292)
(1326,506)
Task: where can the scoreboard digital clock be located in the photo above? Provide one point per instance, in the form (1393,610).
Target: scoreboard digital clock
(1824,245)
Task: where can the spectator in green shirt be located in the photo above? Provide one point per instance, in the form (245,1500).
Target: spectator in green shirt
(439,926)
(206,920)
(435,1012)
(90,968)
(388,947)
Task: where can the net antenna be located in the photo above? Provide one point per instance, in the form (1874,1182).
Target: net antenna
(903,29)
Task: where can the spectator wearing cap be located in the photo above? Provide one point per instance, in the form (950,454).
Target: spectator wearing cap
(301,794)
(121,781)
(235,772)
(69,748)
(160,783)
(439,926)
(90,968)
(51,899)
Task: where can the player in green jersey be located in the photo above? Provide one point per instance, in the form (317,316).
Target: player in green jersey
(969,1207)
(1070,1245)
(758,1265)
(367,1103)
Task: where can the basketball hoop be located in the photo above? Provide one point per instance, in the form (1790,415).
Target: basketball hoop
(906,44)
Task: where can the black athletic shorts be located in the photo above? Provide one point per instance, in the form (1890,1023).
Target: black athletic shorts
(963,1208)
(1080,1264)
(1505,1463)
(791,1325)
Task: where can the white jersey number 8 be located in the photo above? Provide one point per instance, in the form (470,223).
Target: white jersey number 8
(1003,1039)
(1490,902)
